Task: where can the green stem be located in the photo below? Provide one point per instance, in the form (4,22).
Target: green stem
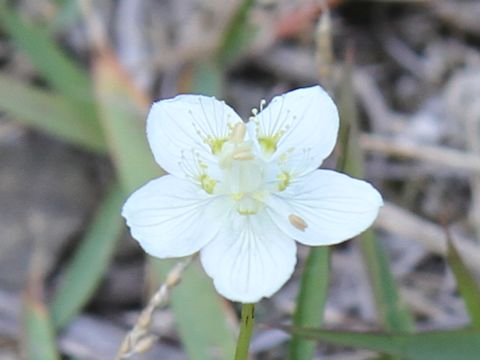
(246,329)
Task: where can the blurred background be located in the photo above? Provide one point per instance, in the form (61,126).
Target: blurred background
(76,80)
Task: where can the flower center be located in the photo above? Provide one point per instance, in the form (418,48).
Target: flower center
(248,177)
(244,174)
(245,178)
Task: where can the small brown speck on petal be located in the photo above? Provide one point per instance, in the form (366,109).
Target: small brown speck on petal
(298,222)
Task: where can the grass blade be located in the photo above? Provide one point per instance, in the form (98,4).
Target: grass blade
(392,311)
(438,345)
(91,260)
(47,57)
(53,114)
(311,300)
(467,285)
(38,336)
(203,327)
(122,110)
(39,340)
(238,35)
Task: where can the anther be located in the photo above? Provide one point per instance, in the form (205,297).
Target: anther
(242,154)
(263,102)
(297,222)
(238,133)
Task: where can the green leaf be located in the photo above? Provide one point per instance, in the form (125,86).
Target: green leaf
(90,261)
(63,75)
(467,285)
(438,345)
(200,316)
(47,57)
(37,330)
(53,114)
(392,311)
(311,300)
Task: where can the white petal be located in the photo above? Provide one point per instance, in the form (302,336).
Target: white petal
(171,217)
(249,259)
(183,133)
(305,123)
(334,207)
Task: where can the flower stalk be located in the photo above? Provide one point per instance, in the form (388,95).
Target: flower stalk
(246,329)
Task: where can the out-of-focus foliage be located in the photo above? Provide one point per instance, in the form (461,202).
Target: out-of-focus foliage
(90,261)
(104,113)
(423,346)
(39,341)
(467,285)
(391,309)
(50,112)
(311,300)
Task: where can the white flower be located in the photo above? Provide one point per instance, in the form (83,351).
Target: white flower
(242,193)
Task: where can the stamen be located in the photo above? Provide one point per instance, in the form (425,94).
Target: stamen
(285,178)
(263,102)
(238,133)
(297,222)
(242,154)
(269,143)
(207,183)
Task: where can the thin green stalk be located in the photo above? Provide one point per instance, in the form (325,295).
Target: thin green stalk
(246,329)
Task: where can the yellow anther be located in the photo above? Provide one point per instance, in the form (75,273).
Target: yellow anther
(216,144)
(238,133)
(297,222)
(207,183)
(269,143)
(285,179)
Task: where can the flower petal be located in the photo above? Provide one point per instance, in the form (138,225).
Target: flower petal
(171,217)
(298,128)
(185,134)
(325,207)
(249,258)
